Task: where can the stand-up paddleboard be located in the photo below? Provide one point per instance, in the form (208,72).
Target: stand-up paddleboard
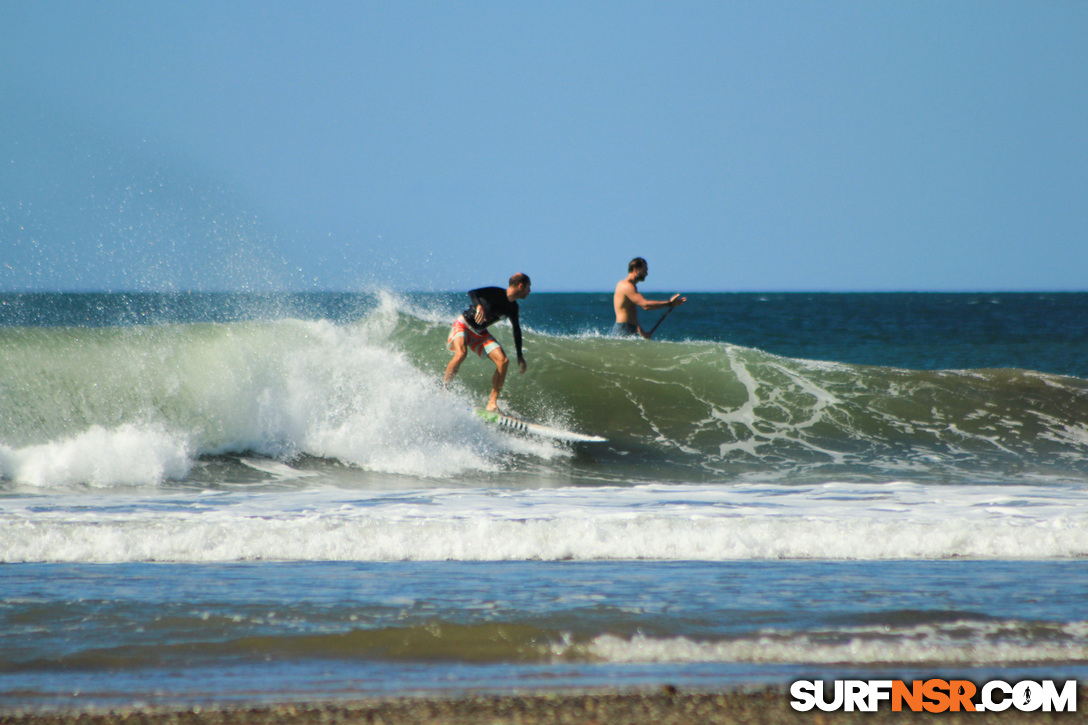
(544,431)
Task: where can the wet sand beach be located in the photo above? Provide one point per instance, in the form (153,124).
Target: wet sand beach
(664,707)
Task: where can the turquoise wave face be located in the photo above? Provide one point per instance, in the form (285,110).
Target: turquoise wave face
(367,394)
(713,410)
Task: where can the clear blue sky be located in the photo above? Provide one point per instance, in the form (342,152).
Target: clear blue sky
(744,146)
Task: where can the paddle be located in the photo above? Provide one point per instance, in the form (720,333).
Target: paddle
(662,319)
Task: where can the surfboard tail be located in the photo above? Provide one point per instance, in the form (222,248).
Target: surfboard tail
(510,423)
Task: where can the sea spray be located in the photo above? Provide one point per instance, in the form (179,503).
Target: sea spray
(280,389)
(128,455)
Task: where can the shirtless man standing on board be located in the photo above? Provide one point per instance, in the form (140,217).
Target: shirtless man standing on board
(627,300)
(469,332)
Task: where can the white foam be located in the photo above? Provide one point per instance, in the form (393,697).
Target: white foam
(364,403)
(954,643)
(124,456)
(709,523)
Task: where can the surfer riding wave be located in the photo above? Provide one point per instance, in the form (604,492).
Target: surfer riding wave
(469,331)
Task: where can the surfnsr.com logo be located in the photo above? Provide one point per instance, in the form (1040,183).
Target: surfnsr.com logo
(934,696)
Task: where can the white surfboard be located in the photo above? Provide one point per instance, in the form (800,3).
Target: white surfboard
(544,431)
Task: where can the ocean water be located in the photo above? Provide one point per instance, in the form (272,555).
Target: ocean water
(217,498)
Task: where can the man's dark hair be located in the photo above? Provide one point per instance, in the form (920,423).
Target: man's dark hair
(519,279)
(636,263)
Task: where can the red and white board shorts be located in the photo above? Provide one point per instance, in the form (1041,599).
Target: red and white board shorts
(481,344)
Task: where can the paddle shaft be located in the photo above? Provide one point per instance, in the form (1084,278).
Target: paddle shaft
(652,329)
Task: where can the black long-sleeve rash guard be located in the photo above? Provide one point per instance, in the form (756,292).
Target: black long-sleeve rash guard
(496,306)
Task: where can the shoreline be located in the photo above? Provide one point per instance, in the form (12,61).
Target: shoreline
(664,706)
